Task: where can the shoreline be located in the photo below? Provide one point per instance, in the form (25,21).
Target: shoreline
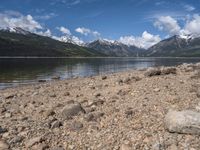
(121,111)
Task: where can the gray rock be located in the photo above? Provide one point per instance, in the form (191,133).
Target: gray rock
(3,130)
(71,110)
(76,125)
(168,70)
(42,80)
(187,122)
(89,117)
(33,141)
(56,78)
(3,145)
(127,80)
(56,124)
(152,72)
(49,112)
(16,139)
(104,77)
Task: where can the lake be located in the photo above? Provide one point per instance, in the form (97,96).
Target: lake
(17,71)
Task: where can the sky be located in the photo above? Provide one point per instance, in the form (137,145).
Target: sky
(132,22)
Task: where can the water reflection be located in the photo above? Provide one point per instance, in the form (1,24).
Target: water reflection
(22,71)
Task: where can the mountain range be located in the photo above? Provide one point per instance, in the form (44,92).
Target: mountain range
(18,42)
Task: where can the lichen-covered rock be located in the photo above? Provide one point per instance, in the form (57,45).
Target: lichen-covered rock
(187,122)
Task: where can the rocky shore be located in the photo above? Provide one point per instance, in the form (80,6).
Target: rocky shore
(155,108)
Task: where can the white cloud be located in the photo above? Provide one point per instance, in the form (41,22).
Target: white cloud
(145,41)
(9,19)
(45,33)
(193,26)
(86,31)
(64,30)
(168,24)
(189,7)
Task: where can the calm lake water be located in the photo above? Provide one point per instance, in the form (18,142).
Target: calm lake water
(17,71)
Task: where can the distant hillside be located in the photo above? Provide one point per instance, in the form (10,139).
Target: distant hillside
(176,47)
(115,49)
(24,43)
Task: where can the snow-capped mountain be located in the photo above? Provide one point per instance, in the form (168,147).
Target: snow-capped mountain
(16,30)
(177,45)
(115,48)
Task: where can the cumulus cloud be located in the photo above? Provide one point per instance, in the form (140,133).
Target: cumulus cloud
(10,19)
(64,30)
(168,24)
(171,26)
(86,31)
(145,41)
(193,26)
(45,33)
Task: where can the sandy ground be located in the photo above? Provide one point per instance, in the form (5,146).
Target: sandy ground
(116,111)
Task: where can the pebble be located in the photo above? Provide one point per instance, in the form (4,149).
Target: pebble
(33,141)
(3,145)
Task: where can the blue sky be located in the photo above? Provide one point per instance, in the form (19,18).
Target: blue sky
(110,19)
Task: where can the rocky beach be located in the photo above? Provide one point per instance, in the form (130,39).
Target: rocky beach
(154,108)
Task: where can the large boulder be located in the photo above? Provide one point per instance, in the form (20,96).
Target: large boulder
(71,110)
(187,122)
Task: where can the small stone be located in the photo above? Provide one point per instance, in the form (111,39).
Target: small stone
(56,78)
(33,141)
(8,115)
(3,130)
(52,95)
(9,95)
(49,112)
(71,110)
(89,117)
(42,80)
(156,90)
(76,125)
(16,139)
(66,94)
(56,124)
(97,94)
(186,122)
(125,147)
(168,70)
(152,72)
(104,77)
(42,146)
(127,80)
(98,114)
(128,113)
(3,145)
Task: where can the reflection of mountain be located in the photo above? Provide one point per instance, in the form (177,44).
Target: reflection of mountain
(24,70)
